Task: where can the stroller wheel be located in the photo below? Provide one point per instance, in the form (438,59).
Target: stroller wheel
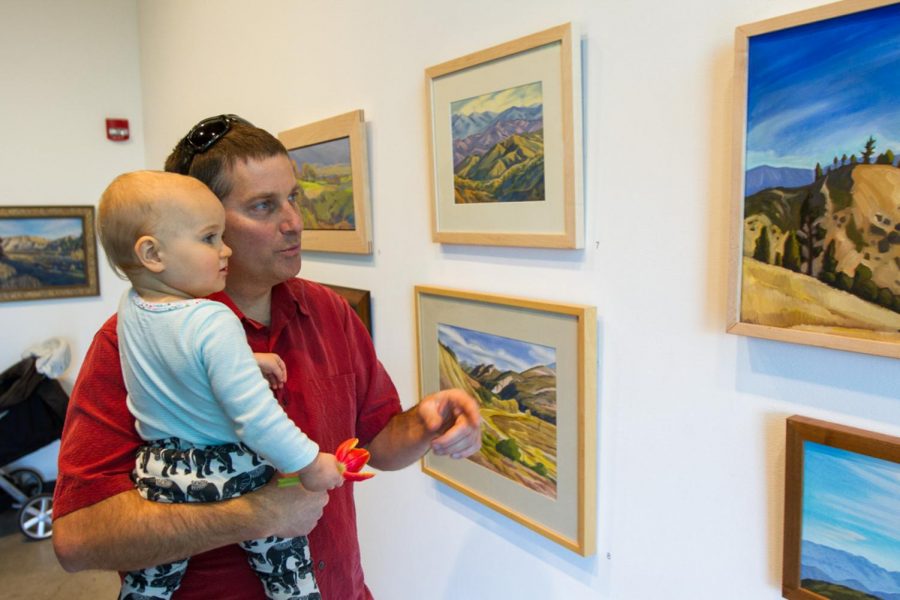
(28,481)
(36,517)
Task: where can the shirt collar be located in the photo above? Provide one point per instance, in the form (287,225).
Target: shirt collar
(285,299)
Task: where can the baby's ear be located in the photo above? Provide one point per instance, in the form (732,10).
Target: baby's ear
(147,251)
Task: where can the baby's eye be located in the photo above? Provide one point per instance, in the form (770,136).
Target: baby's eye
(210,238)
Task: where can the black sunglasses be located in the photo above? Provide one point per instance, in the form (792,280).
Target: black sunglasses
(204,136)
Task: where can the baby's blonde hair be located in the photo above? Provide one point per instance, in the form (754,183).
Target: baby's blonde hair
(130,207)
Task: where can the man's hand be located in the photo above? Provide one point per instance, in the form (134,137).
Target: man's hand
(455,416)
(291,511)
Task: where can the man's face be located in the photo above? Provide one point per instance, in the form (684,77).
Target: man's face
(262,225)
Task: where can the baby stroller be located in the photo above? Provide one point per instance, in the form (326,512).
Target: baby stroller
(32,409)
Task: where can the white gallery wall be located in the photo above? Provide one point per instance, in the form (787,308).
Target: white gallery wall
(65,67)
(690,419)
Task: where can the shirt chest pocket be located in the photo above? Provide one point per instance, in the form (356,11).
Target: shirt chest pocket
(325,408)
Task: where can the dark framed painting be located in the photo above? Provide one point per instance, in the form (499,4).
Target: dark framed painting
(816,185)
(532,367)
(331,165)
(842,513)
(47,252)
(359,300)
(505,139)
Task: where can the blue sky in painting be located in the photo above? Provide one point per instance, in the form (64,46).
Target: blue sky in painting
(51,228)
(852,502)
(524,95)
(334,152)
(822,89)
(475,348)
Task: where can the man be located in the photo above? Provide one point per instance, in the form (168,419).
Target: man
(336,389)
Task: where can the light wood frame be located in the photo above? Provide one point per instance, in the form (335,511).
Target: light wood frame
(349,125)
(799,431)
(882,343)
(16,281)
(569,518)
(557,221)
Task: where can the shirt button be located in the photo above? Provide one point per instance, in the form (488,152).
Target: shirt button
(321,565)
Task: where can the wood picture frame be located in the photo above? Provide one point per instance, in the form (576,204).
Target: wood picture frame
(842,512)
(532,367)
(504,135)
(47,252)
(815,241)
(331,162)
(359,300)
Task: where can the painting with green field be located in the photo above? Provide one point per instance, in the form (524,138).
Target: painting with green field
(514,382)
(47,252)
(326,185)
(821,180)
(498,146)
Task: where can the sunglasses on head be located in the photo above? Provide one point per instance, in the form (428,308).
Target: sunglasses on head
(204,136)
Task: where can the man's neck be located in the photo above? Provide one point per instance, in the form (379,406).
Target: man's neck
(256,305)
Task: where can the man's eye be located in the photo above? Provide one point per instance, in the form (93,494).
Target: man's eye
(263,206)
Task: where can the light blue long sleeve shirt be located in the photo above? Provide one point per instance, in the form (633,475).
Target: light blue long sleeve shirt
(190,374)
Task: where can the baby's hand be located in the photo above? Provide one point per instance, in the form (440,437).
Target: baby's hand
(273,369)
(324,473)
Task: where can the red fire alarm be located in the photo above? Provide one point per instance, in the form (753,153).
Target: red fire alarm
(117,129)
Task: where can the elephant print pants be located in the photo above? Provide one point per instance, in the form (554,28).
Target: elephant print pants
(173,471)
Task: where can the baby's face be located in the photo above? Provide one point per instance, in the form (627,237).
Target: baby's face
(191,246)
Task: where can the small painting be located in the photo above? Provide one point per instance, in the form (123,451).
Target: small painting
(332,170)
(47,252)
(514,382)
(498,146)
(820,199)
(531,366)
(326,185)
(842,514)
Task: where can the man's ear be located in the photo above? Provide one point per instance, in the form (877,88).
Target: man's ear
(147,250)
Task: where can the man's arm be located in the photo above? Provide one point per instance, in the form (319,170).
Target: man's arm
(126,532)
(447,422)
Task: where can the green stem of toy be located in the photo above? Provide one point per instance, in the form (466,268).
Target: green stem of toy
(288,481)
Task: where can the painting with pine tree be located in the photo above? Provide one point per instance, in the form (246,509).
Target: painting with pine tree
(821,185)
(514,382)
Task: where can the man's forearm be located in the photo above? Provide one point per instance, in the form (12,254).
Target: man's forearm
(403,441)
(127,532)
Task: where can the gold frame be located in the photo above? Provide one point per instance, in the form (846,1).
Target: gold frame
(800,430)
(827,339)
(350,125)
(507,228)
(570,518)
(92,285)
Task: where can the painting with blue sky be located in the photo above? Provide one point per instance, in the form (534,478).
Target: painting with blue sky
(50,229)
(820,90)
(475,348)
(851,521)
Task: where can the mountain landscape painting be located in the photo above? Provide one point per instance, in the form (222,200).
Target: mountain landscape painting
(851,524)
(40,253)
(498,146)
(326,185)
(515,384)
(821,207)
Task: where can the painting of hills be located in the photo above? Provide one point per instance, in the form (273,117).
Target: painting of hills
(515,384)
(40,253)
(821,210)
(851,524)
(498,146)
(326,185)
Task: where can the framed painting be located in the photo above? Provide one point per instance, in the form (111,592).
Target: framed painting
(330,161)
(359,300)
(532,367)
(505,139)
(816,186)
(47,252)
(842,513)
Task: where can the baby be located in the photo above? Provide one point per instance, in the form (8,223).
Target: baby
(200,397)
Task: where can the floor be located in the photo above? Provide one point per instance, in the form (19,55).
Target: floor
(28,570)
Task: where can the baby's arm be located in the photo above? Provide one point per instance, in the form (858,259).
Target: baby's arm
(324,473)
(272,367)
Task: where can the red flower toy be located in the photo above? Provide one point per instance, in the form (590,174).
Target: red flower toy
(353,459)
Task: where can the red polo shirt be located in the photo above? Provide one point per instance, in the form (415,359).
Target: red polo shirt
(336,389)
